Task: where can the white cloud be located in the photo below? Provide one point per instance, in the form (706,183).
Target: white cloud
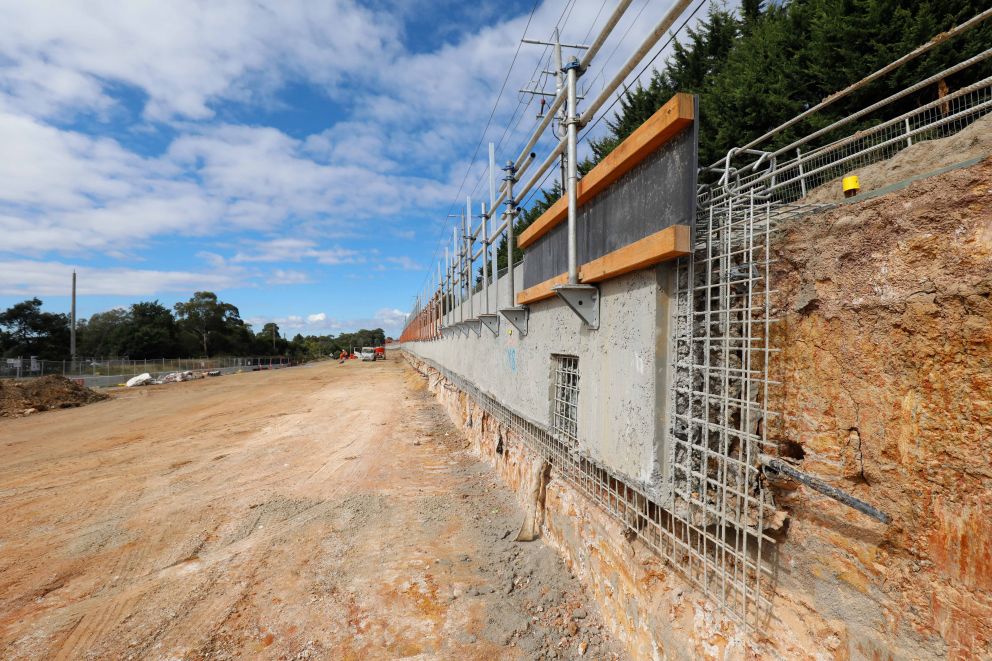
(396,146)
(288,277)
(405,263)
(34,278)
(295,250)
(183,54)
(390,320)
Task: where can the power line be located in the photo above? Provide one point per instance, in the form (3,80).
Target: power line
(475,153)
(640,73)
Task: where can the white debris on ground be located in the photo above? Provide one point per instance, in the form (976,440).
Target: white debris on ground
(140,380)
(172,377)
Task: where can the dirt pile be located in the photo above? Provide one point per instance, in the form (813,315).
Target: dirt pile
(27,396)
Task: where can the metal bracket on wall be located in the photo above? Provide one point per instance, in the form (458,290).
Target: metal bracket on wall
(584,301)
(473,325)
(491,322)
(517,316)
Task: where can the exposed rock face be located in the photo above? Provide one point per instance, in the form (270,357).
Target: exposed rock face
(887,373)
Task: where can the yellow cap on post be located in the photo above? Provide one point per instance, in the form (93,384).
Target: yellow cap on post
(851,183)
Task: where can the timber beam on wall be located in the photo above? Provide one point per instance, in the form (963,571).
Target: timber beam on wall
(670,243)
(677,114)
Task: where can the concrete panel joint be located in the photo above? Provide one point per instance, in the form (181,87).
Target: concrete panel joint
(583,300)
(517,316)
(490,321)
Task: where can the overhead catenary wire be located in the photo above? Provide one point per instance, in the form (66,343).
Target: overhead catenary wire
(540,72)
(492,113)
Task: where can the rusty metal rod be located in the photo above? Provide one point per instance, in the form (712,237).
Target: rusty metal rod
(778,466)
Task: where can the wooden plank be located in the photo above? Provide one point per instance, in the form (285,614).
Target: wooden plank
(666,123)
(668,244)
(540,291)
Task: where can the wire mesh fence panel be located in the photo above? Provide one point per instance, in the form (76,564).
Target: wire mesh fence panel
(789,177)
(91,368)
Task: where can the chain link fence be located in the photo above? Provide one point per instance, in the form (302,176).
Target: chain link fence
(103,372)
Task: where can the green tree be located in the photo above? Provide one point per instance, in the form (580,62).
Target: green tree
(758,67)
(217,326)
(150,331)
(103,334)
(268,340)
(27,331)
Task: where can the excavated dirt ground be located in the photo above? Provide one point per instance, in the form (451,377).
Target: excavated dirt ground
(321,512)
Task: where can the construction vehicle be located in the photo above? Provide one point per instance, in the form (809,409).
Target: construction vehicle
(367,354)
(380,353)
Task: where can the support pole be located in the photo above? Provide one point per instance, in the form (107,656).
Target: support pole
(72,331)
(562,111)
(511,212)
(447,288)
(571,120)
(492,211)
(469,256)
(485,258)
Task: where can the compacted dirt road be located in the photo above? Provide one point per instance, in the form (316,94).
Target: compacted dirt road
(316,512)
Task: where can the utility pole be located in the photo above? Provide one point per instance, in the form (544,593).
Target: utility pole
(72,330)
(561,130)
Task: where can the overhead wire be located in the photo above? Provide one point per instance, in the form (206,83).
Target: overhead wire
(538,74)
(468,169)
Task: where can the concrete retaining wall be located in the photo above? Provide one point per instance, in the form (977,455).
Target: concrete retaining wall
(623,368)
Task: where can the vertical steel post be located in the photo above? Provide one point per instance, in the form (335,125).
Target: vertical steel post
(802,175)
(446,292)
(492,211)
(562,112)
(511,213)
(72,330)
(469,256)
(485,258)
(461,273)
(572,127)
(455,281)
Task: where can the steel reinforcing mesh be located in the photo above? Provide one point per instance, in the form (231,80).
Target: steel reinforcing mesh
(707,558)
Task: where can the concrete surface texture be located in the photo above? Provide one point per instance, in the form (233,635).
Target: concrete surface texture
(322,512)
(622,368)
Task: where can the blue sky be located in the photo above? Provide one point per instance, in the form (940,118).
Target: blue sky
(298,158)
